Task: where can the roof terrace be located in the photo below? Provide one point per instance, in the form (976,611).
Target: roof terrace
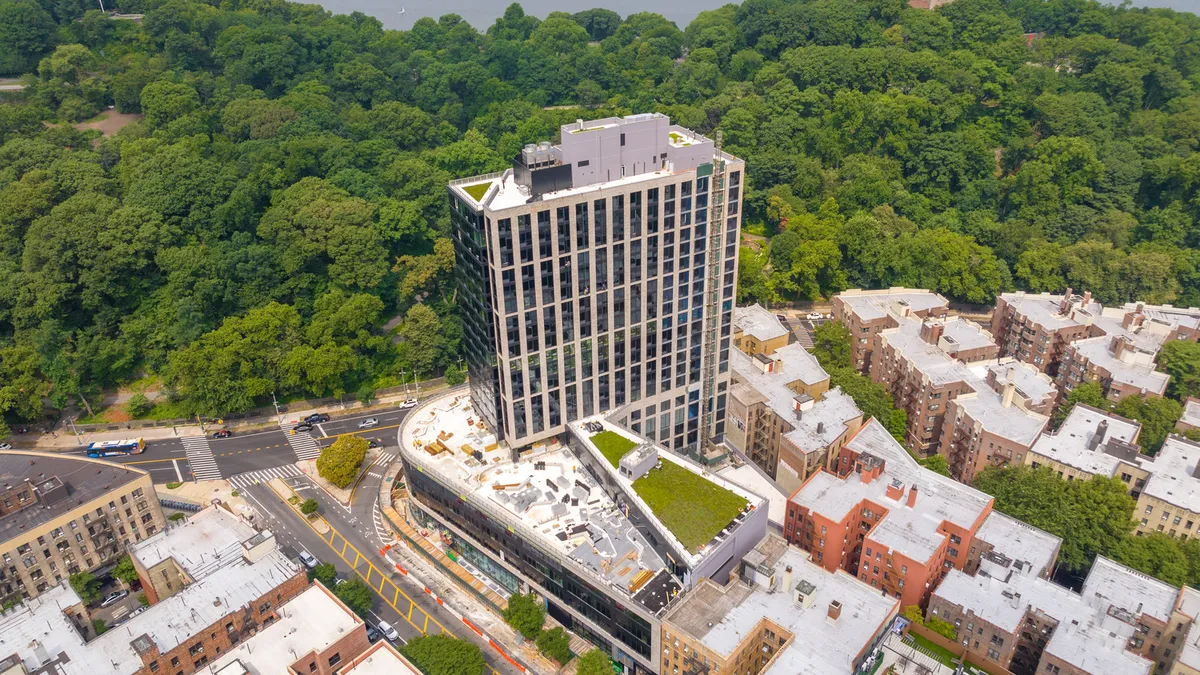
(545,494)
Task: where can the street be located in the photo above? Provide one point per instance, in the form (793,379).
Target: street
(352,546)
(207,458)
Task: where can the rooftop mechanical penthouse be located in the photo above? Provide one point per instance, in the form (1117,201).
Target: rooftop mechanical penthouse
(598,275)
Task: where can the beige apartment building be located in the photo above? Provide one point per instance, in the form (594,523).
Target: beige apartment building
(757,331)
(63,514)
(782,414)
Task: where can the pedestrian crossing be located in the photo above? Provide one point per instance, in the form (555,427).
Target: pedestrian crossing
(245,480)
(302,442)
(200,458)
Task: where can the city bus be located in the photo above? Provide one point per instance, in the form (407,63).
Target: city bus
(129,446)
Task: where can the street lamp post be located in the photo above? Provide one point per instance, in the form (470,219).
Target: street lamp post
(404,381)
(278,416)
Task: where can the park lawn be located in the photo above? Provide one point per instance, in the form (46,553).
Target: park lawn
(477,190)
(612,445)
(693,508)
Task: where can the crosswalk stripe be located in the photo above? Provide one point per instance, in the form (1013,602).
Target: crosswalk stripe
(302,443)
(200,458)
(245,480)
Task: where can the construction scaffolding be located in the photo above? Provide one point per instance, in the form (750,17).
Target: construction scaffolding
(712,301)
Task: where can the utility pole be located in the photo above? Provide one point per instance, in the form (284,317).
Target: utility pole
(278,416)
(404,382)
(71,421)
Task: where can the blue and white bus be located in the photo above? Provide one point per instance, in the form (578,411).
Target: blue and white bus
(129,446)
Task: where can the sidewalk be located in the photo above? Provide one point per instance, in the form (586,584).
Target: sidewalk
(63,439)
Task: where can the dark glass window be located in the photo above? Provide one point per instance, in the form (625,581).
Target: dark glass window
(600,221)
(564,229)
(525,236)
(618,218)
(581,225)
(545,240)
(504,226)
(635,214)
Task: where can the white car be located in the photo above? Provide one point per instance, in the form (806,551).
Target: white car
(113,597)
(815,316)
(408,403)
(368,423)
(5,446)
(389,632)
(308,559)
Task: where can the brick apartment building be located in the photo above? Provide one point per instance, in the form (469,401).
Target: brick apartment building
(223,583)
(865,313)
(1035,391)
(922,367)
(1122,622)
(778,613)
(63,514)
(897,526)
(1190,419)
(1075,339)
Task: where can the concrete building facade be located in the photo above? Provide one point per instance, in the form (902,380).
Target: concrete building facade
(599,275)
(65,514)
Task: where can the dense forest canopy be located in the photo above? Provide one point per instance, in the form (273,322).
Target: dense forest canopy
(282,195)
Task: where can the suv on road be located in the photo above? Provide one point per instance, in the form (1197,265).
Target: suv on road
(303,426)
(368,423)
(408,403)
(308,559)
(317,418)
(389,632)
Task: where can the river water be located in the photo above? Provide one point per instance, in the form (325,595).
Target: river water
(482,13)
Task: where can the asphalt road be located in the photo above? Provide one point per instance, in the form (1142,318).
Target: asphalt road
(353,548)
(169,460)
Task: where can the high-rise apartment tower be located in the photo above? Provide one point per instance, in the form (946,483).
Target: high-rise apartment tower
(598,275)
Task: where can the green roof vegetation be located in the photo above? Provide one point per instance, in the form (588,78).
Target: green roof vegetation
(678,139)
(612,445)
(477,190)
(693,508)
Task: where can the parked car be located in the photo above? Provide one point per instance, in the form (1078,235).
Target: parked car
(222,433)
(368,423)
(303,426)
(308,559)
(374,443)
(373,635)
(815,316)
(389,632)
(5,446)
(317,418)
(408,403)
(113,597)
(782,318)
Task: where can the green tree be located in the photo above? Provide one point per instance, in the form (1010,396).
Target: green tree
(1091,516)
(27,32)
(138,405)
(936,463)
(125,571)
(526,614)
(325,573)
(1156,415)
(455,375)
(1088,393)
(556,644)
(339,463)
(443,655)
(595,662)
(422,343)
(832,345)
(1181,360)
(164,101)
(87,586)
(356,594)
(1158,555)
(309,507)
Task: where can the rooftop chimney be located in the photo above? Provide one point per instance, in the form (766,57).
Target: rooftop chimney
(1098,437)
(932,331)
(1065,305)
(820,427)
(1010,389)
(1087,298)
(787,579)
(835,610)
(912,496)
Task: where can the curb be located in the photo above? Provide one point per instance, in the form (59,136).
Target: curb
(383,552)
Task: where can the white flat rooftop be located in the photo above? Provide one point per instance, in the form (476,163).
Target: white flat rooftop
(1096,350)
(1031,382)
(547,494)
(758,323)
(224,583)
(1035,549)
(721,618)
(870,305)
(913,531)
(1045,310)
(1191,413)
(380,659)
(311,621)
(1173,474)
(751,478)
(1070,444)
